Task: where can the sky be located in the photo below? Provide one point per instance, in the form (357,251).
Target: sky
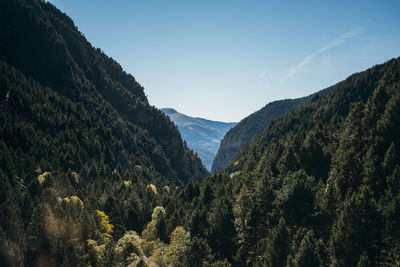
(225,59)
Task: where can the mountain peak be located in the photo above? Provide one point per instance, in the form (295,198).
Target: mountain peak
(169,111)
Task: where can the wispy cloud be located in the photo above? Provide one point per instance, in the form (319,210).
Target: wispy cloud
(337,41)
(262,74)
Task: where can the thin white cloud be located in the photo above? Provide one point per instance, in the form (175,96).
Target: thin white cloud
(337,41)
(262,74)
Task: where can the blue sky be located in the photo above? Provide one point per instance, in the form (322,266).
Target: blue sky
(224,59)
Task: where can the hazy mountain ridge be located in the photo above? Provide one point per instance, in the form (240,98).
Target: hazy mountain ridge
(244,131)
(202,135)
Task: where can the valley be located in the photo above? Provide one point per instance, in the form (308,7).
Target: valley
(201,135)
(93,174)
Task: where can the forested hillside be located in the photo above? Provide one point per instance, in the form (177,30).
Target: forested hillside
(46,46)
(242,134)
(77,135)
(319,187)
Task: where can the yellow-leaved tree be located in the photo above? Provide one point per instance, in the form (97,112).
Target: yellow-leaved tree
(105,226)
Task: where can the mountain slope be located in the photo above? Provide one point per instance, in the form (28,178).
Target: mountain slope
(45,44)
(332,167)
(201,135)
(242,134)
(84,158)
(319,187)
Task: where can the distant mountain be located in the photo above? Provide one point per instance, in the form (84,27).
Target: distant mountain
(202,135)
(242,134)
